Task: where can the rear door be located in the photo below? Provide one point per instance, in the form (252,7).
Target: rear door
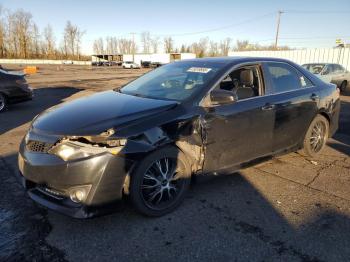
(295,100)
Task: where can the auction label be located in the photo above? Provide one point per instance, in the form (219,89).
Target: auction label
(202,70)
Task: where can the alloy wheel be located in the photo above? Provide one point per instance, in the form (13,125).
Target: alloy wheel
(318,136)
(2,102)
(161,187)
(343,86)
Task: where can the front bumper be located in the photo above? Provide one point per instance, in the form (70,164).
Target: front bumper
(48,181)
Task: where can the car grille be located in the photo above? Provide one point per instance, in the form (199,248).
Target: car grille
(51,192)
(38,146)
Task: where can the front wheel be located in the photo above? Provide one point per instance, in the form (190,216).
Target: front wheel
(316,136)
(3,103)
(160,182)
(343,86)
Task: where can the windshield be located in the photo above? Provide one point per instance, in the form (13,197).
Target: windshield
(314,68)
(175,81)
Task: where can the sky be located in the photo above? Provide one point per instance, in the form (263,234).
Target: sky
(303,24)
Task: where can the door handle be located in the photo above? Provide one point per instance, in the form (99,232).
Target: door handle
(268,106)
(314,97)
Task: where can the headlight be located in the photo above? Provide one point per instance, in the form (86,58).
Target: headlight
(76,150)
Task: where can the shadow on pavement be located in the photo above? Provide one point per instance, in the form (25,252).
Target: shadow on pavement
(226,218)
(19,114)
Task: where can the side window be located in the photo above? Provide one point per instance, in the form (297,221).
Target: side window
(338,69)
(285,78)
(244,82)
(328,70)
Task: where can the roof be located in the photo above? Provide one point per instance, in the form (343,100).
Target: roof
(235,59)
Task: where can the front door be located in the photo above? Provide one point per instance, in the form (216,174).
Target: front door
(241,131)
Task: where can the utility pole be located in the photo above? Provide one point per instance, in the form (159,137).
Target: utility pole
(133,47)
(278,26)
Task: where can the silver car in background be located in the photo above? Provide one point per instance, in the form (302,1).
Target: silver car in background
(332,73)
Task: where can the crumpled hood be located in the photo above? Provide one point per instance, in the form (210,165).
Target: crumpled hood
(95,114)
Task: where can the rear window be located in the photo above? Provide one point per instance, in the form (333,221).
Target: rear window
(285,78)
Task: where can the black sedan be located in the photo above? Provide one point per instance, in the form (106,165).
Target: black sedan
(146,140)
(13,89)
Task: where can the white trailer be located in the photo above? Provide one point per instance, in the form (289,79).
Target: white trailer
(159,58)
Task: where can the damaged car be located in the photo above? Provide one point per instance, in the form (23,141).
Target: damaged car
(147,140)
(13,89)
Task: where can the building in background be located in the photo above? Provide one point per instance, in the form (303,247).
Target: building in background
(161,58)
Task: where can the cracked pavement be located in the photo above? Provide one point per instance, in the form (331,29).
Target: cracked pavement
(289,208)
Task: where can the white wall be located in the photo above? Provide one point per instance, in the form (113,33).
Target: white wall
(315,55)
(185,56)
(40,62)
(163,58)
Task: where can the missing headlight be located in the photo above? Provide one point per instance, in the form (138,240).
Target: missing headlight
(68,149)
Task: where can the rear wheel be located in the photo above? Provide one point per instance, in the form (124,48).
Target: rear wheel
(316,136)
(3,103)
(343,86)
(160,182)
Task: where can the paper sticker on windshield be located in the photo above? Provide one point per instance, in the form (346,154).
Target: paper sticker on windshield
(202,70)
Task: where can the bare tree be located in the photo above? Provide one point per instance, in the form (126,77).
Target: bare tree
(36,43)
(111,45)
(242,45)
(19,33)
(72,40)
(98,46)
(168,44)
(146,42)
(225,46)
(2,35)
(213,49)
(200,48)
(126,46)
(49,41)
(155,44)
(183,49)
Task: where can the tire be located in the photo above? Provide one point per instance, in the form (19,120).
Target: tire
(152,194)
(316,136)
(343,86)
(3,103)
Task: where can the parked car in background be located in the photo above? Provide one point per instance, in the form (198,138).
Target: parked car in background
(67,62)
(146,64)
(130,64)
(156,64)
(13,89)
(332,73)
(96,63)
(146,140)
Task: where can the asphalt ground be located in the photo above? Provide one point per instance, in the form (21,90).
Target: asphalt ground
(289,208)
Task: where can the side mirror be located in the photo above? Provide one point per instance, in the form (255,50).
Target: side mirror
(221,97)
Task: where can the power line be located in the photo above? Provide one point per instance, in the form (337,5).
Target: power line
(220,28)
(303,38)
(317,11)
